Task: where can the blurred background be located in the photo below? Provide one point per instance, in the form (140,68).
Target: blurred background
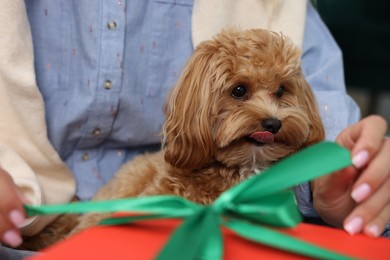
(362,30)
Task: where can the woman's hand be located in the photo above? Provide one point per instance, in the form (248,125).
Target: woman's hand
(11,211)
(358,197)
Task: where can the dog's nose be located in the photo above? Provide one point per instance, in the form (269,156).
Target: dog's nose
(271,124)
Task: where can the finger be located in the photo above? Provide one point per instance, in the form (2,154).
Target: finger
(8,233)
(360,133)
(364,139)
(11,211)
(374,175)
(329,187)
(376,226)
(372,210)
(372,130)
(331,193)
(4,224)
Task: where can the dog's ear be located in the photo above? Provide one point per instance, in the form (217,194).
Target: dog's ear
(188,141)
(308,101)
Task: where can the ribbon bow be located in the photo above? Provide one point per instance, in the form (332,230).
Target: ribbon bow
(249,209)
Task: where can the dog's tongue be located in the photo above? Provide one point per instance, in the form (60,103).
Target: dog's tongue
(263,137)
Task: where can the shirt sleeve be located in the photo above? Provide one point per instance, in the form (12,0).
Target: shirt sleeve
(25,151)
(323,68)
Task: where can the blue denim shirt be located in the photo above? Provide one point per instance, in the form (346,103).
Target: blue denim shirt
(104,69)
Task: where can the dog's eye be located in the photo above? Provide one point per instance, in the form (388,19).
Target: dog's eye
(279,93)
(239,91)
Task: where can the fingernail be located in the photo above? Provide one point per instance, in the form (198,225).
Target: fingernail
(354,226)
(16,217)
(12,238)
(373,230)
(360,159)
(361,192)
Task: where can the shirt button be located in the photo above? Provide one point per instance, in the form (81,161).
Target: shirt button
(97,131)
(111,25)
(85,157)
(107,84)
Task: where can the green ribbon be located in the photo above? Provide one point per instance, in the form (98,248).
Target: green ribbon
(250,209)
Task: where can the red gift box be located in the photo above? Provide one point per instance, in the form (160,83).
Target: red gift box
(238,209)
(143,240)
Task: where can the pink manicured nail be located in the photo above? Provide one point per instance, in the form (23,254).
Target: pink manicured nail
(354,226)
(16,217)
(360,159)
(373,230)
(12,238)
(361,192)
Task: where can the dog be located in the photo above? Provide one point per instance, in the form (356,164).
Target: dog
(240,105)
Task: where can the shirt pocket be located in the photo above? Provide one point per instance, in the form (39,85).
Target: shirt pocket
(50,29)
(171,43)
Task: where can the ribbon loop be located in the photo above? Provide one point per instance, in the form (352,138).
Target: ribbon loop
(278,210)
